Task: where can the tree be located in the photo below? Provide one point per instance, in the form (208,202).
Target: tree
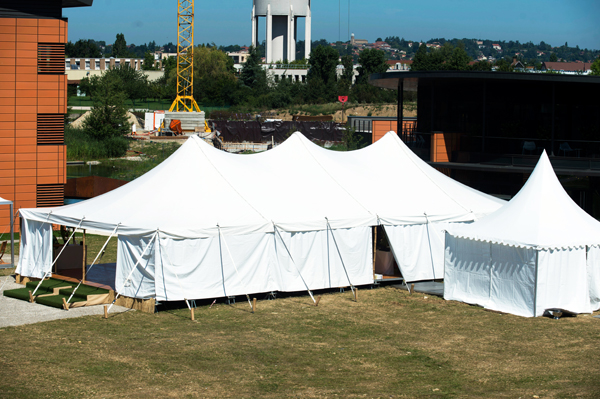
(213,69)
(82,49)
(503,65)
(553,57)
(107,121)
(371,61)
(323,62)
(595,67)
(459,59)
(253,74)
(119,49)
(148,64)
(345,82)
(421,60)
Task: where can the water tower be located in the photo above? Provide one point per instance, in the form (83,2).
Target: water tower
(282,27)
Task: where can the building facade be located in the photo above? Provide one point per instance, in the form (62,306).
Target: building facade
(33,103)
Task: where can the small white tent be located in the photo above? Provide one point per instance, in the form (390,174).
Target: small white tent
(538,252)
(206,223)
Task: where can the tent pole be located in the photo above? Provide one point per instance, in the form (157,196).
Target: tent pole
(340,254)
(233,262)
(537,252)
(429,242)
(12,236)
(132,269)
(55,259)
(374,249)
(298,270)
(94,262)
(84,261)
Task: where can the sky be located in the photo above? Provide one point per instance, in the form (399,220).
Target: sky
(229,21)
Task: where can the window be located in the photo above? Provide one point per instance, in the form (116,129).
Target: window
(117,63)
(87,64)
(50,129)
(78,64)
(51,58)
(97,66)
(68,64)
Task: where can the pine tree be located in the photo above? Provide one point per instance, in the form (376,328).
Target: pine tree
(119,49)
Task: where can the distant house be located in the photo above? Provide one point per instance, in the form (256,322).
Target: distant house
(399,65)
(517,65)
(479,43)
(569,68)
(496,47)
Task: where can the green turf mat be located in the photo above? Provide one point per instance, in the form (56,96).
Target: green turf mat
(18,293)
(83,291)
(47,285)
(56,300)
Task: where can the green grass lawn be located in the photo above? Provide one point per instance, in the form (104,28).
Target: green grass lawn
(388,345)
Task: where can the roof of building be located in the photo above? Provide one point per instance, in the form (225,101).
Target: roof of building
(568,66)
(76,3)
(391,80)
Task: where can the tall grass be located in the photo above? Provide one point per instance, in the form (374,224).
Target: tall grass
(82,147)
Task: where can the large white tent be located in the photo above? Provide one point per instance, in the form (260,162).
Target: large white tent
(206,223)
(540,251)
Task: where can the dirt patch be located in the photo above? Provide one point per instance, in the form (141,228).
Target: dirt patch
(390,110)
(131,118)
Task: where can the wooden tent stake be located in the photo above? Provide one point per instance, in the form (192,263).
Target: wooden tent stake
(31,298)
(192,313)
(412,289)
(65,304)
(253,305)
(356,294)
(318,300)
(106,311)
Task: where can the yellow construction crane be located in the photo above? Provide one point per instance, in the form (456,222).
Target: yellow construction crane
(185,59)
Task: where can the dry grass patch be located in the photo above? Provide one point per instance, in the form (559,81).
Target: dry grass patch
(390,344)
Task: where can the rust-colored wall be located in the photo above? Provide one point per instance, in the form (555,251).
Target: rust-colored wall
(442,145)
(24,93)
(380,128)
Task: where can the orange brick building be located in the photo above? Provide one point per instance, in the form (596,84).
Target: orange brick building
(33,103)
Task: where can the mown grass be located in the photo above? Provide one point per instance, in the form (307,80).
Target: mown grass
(388,345)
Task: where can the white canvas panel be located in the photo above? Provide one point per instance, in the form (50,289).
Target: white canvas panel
(418,249)
(467,271)
(136,279)
(512,280)
(563,281)
(593,273)
(316,259)
(35,256)
(214,267)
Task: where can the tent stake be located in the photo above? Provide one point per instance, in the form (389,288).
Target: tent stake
(356,294)
(65,304)
(318,300)
(412,289)
(31,298)
(105,311)
(253,305)
(192,313)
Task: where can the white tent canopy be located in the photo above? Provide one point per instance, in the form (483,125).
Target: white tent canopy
(540,251)
(226,209)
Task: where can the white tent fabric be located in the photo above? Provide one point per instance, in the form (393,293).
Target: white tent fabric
(4,201)
(201,198)
(540,251)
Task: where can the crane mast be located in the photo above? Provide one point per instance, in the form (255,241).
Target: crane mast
(185,59)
